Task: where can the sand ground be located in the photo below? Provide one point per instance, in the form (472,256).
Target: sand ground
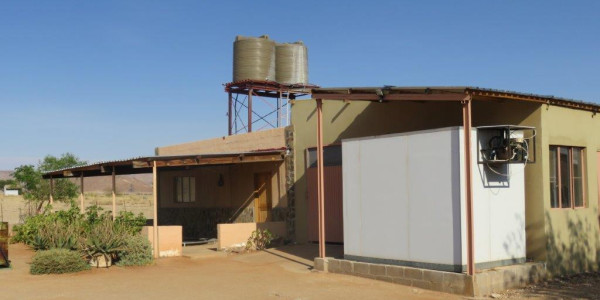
(261,275)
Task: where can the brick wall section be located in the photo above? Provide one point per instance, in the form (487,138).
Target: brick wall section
(289,182)
(483,283)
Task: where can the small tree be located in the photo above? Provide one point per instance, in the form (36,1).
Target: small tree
(37,190)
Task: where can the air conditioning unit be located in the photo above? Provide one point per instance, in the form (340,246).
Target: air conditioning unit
(506,144)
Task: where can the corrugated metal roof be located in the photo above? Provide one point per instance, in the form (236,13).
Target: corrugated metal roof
(142,159)
(473,90)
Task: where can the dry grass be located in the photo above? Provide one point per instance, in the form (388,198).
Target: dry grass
(13,209)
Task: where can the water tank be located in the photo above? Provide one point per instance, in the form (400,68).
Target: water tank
(253,58)
(292,63)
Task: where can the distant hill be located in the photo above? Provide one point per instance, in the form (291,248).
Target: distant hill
(5,175)
(126,184)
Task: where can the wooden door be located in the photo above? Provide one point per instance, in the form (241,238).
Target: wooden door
(262,197)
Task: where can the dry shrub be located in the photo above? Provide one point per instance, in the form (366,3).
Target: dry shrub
(57,261)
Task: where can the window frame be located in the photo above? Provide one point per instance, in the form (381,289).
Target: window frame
(571,179)
(179,188)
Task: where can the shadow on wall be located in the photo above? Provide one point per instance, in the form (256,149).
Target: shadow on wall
(514,242)
(575,256)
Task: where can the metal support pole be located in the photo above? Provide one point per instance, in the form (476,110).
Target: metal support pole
(229,113)
(279,108)
(155,218)
(320,183)
(466,110)
(51,190)
(81,192)
(114,194)
(250,110)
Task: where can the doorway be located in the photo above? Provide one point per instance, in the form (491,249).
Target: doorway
(262,197)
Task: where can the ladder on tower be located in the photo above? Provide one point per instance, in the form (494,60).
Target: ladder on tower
(283,110)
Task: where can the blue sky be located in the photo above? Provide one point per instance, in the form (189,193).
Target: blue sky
(114,79)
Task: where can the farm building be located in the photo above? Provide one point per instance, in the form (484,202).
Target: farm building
(542,207)
(440,180)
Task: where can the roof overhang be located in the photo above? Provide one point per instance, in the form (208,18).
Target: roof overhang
(140,165)
(441,93)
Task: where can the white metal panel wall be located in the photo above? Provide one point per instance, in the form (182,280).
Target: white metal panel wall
(404,198)
(498,209)
(398,197)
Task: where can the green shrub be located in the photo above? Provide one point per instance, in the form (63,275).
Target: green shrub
(93,233)
(29,232)
(136,252)
(130,223)
(259,239)
(57,261)
(104,238)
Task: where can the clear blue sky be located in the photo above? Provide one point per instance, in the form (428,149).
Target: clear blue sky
(114,79)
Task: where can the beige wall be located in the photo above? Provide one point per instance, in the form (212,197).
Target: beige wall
(345,120)
(169,239)
(234,235)
(355,119)
(237,189)
(572,234)
(567,239)
(259,140)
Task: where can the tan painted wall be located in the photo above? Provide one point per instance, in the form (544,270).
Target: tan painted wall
(233,235)
(573,243)
(259,140)
(355,119)
(169,239)
(238,185)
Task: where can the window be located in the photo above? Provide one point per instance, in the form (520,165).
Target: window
(567,184)
(185,189)
(332,156)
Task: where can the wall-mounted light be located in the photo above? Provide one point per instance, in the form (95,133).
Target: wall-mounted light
(221,180)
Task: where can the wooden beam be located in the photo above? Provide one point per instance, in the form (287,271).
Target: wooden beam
(466,109)
(320,179)
(51,190)
(114,194)
(391,97)
(155,203)
(219,160)
(82,208)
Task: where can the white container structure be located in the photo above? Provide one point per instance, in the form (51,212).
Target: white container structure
(404,202)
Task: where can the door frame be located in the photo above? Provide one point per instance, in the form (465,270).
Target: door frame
(267,191)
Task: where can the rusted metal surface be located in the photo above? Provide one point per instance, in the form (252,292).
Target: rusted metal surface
(334,221)
(229,113)
(4,262)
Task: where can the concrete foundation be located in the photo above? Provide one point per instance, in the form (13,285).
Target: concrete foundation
(483,283)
